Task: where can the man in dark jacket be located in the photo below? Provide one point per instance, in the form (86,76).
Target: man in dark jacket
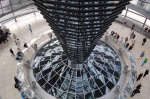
(146,73)
(144,41)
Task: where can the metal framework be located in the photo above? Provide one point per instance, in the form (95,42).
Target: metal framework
(78,24)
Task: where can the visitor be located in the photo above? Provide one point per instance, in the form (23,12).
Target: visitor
(19,50)
(18,43)
(138,86)
(130,48)
(127,45)
(12,52)
(112,33)
(23,95)
(16,79)
(121,39)
(145,30)
(126,40)
(133,26)
(30,28)
(118,37)
(15,38)
(135,92)
(139,77)
(142,55)
(144,61)
(133,43)
(148,31)
(131,36)
(146,73)
(17,86)
(25,45)
(144,41)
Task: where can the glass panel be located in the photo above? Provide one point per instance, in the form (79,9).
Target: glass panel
(15,1)
(5,3)
(6,9)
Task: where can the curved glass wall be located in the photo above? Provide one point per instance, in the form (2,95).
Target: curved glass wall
(7,6)
(138,14)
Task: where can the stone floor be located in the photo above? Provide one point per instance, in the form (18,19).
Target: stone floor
(39,25)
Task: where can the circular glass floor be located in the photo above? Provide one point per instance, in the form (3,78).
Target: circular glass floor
(93,79)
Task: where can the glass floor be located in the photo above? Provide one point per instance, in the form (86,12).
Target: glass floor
(93,79)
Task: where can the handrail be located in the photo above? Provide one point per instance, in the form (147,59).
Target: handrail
(129,87)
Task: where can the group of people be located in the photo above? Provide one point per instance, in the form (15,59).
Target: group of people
(17,86)
(4,35)
(19,54)
(137,89)
(117,36)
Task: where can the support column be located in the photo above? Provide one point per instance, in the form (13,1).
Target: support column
(126,12)
(144,22)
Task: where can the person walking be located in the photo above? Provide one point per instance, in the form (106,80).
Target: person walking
(16,79)
(133,42)
(144,41)
(17,86)
(130,48)
(139,77)
(15,38)
(18,43)
(30,28)
(23,95)
(12,52)
(146,73)
(131,36)
(135,92)
(142,55)
(127,45)
(138,86)
(145,61)
(25,45)
(126,40)
(145,30)
(133,26)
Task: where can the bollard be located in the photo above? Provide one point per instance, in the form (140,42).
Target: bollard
(34,84)
(27,63)
(117,90)
(34,47)
(126,69)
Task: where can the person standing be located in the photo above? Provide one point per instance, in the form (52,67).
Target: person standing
(142,55)
(25,45)
(139,77)
(138,86)
(133,26)
(131,36)
(144,41)
(18,43)
(133,43)
(30,28)
(127,45)
(17,86)
(145,61)
(126,40)
(16,79)
(15,38)
(145,30)
(146,73)
(12,52)
(23,95)
(130,48)
(135,92)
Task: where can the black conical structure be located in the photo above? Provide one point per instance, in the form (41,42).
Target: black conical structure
(78,24)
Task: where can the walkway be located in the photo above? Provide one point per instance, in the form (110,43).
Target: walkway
(39,25)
